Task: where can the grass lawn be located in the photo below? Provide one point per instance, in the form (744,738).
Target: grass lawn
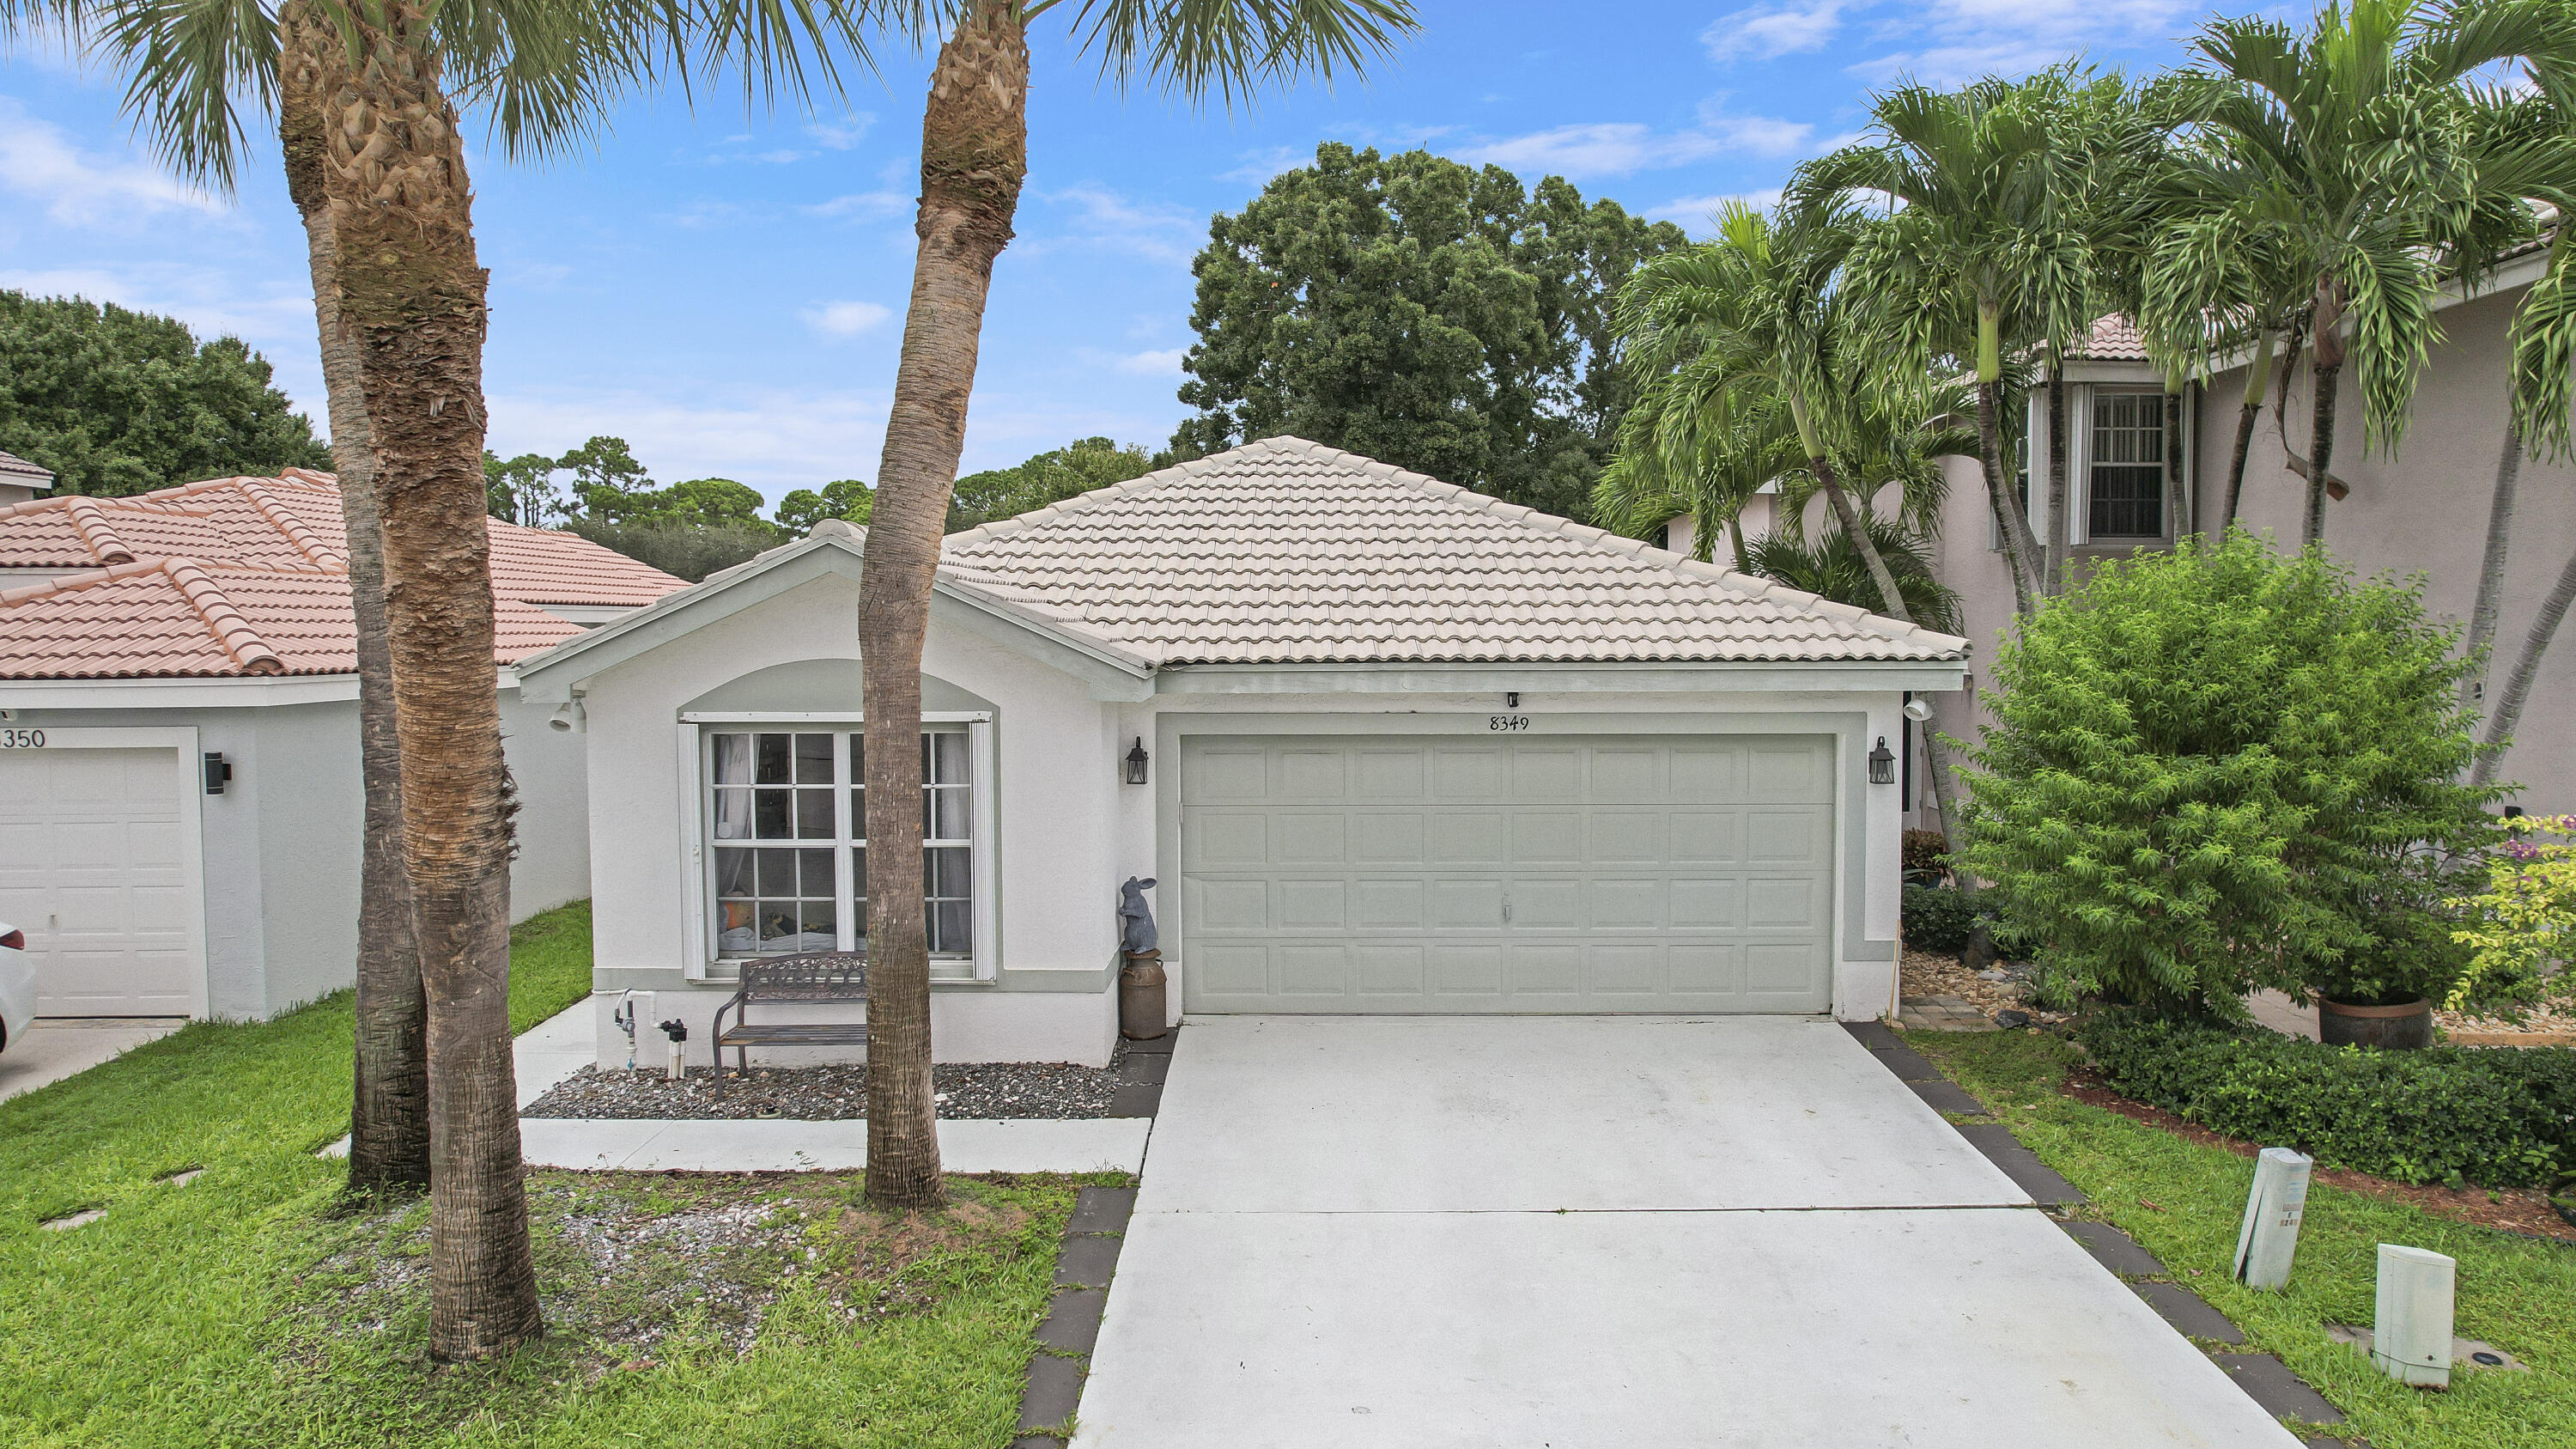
(237,1309)
(2184,1202)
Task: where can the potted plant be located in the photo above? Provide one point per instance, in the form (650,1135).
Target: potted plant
(2379,991)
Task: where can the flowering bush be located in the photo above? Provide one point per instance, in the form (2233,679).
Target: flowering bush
(2522,927)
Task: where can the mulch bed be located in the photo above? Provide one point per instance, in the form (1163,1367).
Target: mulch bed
(2523,1210)
(1054,1090)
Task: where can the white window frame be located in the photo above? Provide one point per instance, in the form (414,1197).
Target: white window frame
(704,961)
(2081,503)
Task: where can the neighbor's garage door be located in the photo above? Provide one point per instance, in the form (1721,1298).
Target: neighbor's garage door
(94,871)
(1548,874)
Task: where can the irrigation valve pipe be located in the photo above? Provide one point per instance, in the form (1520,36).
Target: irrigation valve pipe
(678,1031)
(2270,1235)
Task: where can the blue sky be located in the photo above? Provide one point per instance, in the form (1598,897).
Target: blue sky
(725,290)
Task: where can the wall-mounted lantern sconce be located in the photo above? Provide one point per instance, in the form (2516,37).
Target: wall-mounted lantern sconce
(218,770)
(1882,764)
(1136,760)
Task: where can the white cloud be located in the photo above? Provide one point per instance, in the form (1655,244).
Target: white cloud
(772,439)
(77,189)
(1770,31)
(1163,363)
(1949,42)
(845,319)
(1259,166)
(1104,220)
(1693,213)
(861,205)
(1620,148)
(843,134)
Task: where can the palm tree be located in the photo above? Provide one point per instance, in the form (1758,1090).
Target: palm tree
(1673,459)
(376,164)
(974,154)
(1833,567)
(1749,321)
(1967,263)
(2350,144)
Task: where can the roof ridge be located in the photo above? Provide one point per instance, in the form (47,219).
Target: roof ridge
(232,631)
(74,582)
(90,522)
(305,540)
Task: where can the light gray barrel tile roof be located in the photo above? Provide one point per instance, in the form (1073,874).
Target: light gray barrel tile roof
(1286,551)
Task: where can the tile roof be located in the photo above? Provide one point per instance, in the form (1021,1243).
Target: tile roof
(1284,550)
(14,469)
(247,576)
(2113,339)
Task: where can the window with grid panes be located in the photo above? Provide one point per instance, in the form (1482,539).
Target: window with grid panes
(2128,466)
(787,811)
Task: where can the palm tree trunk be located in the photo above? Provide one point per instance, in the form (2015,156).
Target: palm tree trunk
(2526,668)
(2257,377)
(1998,495)
(2500,510)
(389,1115)
(974,155)
(412,296)
(1892,603)
(2178,521)
(2053,551)
(2326,367)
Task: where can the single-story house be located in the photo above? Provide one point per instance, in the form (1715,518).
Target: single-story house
(21,480)
(1386,744)
(2421,509)
(179,782)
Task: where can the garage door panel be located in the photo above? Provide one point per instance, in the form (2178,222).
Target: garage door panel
(1391,905)
(1547,837)
(1475,905)
(1547,905)
(1466,839)
(97,873)
(1536,875)
(1627,905)
(1234,838)
(1313,839)
(1385,838)
(1217,774)
(1321,773)
(1314,905)
(1390,774)
(1629,774)
(1541,773)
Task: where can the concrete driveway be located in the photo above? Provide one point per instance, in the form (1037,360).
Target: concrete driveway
(1575,1232)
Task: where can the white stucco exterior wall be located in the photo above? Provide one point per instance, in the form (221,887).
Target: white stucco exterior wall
(282,844)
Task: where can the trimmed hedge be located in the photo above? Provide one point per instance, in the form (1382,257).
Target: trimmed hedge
(1936,918)
(2496,1117)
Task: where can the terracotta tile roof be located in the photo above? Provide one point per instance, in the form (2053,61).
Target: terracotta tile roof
(246,576)
(1285,550)
(14,469)
(183,616)
(2114,339)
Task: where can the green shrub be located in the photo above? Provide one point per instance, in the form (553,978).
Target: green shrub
(1926,853)
(1936,918)
(2220,768)
(2496,1117)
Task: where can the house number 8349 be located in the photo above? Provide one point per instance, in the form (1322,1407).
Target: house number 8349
(1506,723)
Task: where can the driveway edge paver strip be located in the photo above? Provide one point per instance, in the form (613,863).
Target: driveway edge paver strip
(1084,1265)
(2265,1379)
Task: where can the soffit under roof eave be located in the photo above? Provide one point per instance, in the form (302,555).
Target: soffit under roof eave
(1564,677)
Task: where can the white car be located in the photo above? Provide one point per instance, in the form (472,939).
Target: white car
(17,985)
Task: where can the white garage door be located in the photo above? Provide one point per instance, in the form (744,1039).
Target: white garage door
(96,872)
(1555,874)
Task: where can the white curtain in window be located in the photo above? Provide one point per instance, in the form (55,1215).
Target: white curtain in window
(733,767)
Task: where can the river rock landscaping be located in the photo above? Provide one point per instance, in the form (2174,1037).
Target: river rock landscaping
(1058,1091)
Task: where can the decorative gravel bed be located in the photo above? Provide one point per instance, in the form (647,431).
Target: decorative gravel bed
(820,1094)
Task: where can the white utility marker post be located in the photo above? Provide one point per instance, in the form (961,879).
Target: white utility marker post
(2410,1338)
(2270,1236)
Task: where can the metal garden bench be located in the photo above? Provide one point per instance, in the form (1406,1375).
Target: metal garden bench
(828,976)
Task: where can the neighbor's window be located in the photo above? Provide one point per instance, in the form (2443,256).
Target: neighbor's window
(787,840)
(2127,497)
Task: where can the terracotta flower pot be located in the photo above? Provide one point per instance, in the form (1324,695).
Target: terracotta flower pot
(2404,1027)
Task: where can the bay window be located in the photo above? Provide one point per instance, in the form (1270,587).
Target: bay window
(785,844)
